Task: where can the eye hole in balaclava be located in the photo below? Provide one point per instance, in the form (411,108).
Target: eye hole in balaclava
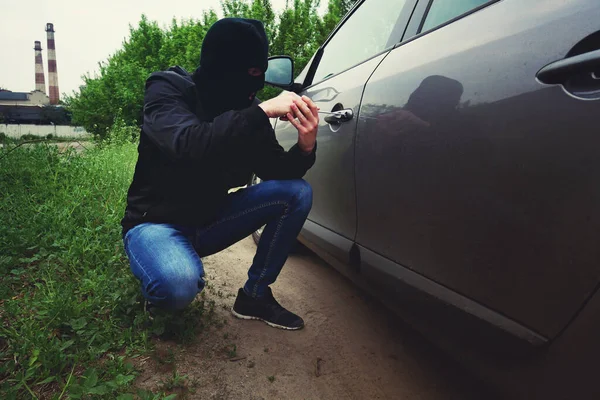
(230,48)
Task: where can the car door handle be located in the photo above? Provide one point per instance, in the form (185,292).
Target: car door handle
(560,71)
(337,117)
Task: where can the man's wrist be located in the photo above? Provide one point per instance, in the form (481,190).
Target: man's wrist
(306,150)
(265,109)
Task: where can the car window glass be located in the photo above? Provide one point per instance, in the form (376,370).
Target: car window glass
(442,11)
(363,35)
(302,75)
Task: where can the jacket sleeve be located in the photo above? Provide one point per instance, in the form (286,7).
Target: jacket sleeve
(176,130)
(273,162)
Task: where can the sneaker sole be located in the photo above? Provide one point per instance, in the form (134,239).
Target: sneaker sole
(248,317)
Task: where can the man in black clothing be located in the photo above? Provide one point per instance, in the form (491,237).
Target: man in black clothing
(202,135)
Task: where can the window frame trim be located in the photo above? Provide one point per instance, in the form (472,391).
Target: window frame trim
(418,18)
(403,19)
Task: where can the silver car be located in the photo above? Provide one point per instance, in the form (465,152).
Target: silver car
(458,178)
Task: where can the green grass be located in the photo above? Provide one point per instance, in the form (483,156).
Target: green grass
(70,311)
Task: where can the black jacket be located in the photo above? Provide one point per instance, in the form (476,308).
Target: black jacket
(187,161)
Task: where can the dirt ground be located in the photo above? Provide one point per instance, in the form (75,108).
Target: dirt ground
(350,348)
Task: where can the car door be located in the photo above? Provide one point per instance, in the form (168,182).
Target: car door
(335,82)
(476,181)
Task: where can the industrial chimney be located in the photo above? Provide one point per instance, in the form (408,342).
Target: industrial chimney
(52,74)
(40,82)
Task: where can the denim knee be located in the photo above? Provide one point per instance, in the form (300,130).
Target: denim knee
(176,294)
(302,195)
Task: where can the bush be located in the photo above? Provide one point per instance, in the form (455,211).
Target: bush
(118,134)
(49,136)
(3,137)
(29,136)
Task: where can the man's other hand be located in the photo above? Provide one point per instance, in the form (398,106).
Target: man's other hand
(279,106)
(305,118)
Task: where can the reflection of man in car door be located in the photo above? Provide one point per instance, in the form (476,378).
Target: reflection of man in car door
(425,122)
(433,103)
(444,160)
(202,135)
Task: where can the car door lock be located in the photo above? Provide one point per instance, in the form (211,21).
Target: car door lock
(337,117)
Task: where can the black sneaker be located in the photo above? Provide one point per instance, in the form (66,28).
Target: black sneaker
(265,309)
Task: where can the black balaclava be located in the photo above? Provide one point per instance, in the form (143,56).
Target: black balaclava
(231,46)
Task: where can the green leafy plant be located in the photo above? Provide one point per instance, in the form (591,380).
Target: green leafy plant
(175,381)
(89,385)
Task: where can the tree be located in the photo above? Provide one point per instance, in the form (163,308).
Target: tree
(297,35)
(55,115)
(336,10)
(144,45)
(235,8)
(183,41)
(118,90)
(116,93)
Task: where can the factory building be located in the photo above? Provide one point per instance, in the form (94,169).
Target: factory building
(35,98)
(27,107)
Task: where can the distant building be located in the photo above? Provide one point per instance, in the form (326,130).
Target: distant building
(35,98)
(21,115)
(23,107)
(36,107)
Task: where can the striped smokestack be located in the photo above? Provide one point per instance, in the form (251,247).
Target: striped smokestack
(52,74)
(40,82)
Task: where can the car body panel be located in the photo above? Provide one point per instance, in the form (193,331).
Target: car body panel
(475,175)
(477,197)
(332,176)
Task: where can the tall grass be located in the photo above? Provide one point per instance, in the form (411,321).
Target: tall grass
(70,313)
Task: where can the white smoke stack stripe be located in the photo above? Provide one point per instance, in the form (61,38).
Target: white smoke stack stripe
(52,72)
(40,82)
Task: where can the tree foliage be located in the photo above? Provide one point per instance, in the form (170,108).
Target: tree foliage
(116,93)
(55,115)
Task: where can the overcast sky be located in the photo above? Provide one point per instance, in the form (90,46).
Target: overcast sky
(86,32)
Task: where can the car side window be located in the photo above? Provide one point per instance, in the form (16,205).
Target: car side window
(365,34)
(442,11)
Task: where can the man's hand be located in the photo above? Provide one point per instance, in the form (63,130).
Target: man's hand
(305,118)
(279,106)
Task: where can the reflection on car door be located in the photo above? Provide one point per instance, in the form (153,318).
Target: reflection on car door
(478,177)
(347,61)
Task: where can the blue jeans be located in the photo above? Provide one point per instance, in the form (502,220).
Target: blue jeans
(166,258)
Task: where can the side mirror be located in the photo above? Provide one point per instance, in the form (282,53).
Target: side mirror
(280,72)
